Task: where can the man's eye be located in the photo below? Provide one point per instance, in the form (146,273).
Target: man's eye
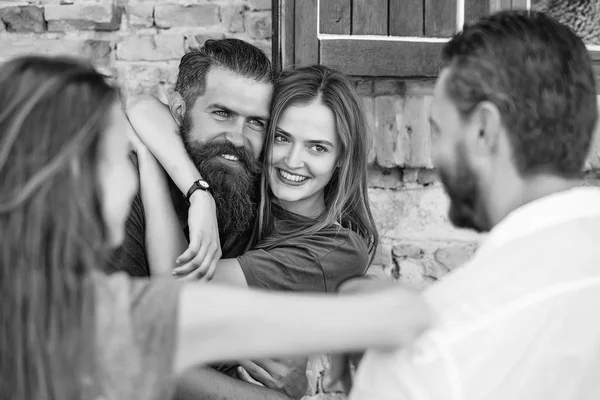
(257,122)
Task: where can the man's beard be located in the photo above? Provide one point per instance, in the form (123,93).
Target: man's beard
(234,189)
(467,209)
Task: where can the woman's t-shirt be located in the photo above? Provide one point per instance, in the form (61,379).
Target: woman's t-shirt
(311,263)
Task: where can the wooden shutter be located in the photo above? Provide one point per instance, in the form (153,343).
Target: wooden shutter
(369,37)
(379,38)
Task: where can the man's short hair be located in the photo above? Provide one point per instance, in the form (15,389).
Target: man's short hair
(539,75)
(235,55)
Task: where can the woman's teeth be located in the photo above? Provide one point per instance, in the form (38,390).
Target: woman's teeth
(292,177)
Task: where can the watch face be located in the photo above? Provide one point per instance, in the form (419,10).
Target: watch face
(203,184)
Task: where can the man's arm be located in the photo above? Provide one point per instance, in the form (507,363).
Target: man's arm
(208,384)
(158,131)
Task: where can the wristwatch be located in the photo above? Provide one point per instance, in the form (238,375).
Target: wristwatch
(200,184)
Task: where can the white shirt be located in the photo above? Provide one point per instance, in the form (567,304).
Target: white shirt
(519,321)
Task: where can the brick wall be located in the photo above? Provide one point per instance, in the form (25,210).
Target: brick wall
(140,43)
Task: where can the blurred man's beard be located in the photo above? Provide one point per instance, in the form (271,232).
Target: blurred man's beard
(467,209)
(234,188)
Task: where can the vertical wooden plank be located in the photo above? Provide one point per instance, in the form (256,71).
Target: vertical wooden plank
(475,9)
(406,18)
(440,18)
(519,4)
(370,17)
(283,34)
(335,16)
(305,31)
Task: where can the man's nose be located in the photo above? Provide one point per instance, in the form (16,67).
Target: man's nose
(235,133)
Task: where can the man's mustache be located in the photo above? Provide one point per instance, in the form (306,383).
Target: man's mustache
(208,151)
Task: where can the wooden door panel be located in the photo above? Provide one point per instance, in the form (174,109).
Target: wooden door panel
(306,49)
(369,17)
(404,18)
(300,38)
(440,18)
(382,58)
(335,17)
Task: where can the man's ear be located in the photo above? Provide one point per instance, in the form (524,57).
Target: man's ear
(489,125)
(177,107)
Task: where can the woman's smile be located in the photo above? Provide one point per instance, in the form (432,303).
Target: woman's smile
(291,178)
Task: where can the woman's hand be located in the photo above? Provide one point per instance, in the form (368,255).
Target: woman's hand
(199,261)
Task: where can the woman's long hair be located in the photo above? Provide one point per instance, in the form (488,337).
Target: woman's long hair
(346,196)
(52,235)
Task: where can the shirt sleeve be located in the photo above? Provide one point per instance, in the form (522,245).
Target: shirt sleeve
(306,264)
(130,257)
(137,331)
(411,373)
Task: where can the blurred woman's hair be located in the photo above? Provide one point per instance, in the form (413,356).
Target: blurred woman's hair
(52,234)
(346,196)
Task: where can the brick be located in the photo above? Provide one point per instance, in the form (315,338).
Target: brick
(456,255)
(427,177)
(258,25)
(22,19)
(12,47)
(385,178)
(147,77)
(99,51)
(420,88)
(389,87)
(232,18)
(593,159)
(161,47)
(368,105)
(416,128)
(364,87)
(411,273)
(408,250)
(174,15)
(417,214)
(259,4)
(140,14)
(390,140)
(433,271)
(83,16)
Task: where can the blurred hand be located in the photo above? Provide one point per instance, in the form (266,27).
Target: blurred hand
(286,376)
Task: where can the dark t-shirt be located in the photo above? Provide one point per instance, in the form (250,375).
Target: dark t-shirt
(307,263)
(131,257)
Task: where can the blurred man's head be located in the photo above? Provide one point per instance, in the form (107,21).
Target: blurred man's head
(515,101)
(221,103)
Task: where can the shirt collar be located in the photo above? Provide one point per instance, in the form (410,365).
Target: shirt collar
(543,213)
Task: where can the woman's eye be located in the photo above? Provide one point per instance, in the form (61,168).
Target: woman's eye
(221,113)
(281,139)
(319,149)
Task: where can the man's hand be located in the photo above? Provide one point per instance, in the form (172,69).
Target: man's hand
(286,376)
(199,261)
